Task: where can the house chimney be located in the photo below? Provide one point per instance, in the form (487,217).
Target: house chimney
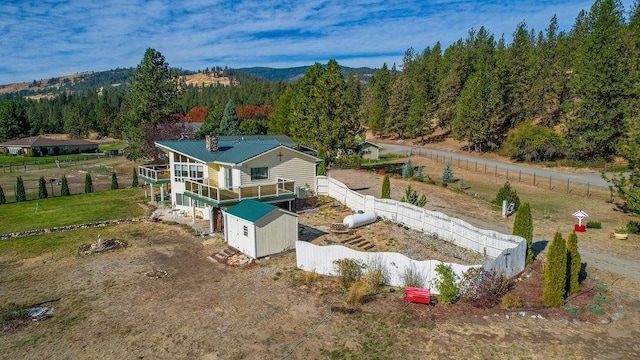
(211,142)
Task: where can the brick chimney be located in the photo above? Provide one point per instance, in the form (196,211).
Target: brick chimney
(211,142)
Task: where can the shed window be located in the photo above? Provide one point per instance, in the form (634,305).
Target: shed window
(245,230)
(261,173)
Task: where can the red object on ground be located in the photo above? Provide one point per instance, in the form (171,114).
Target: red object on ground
(580,228)
(417,295)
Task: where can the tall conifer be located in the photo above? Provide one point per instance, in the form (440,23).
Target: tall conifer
(555,273)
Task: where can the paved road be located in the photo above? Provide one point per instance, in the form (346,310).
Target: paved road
(592,179)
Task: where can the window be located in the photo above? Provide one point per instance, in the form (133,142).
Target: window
(261,173)
(245,230)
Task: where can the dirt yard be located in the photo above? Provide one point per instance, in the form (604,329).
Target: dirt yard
(107,307)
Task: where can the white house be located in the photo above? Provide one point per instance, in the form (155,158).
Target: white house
(259,229)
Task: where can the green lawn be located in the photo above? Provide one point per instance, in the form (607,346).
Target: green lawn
(26,160)
(113,146)
(69,210)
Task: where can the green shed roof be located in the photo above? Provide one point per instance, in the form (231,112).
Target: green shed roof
(251,210)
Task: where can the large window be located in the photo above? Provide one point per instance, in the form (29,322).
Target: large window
(261,173)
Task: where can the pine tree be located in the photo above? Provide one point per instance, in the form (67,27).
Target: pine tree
(508,193)
(114,181)
(42,188)
(64,187)
(407,169)
(555,273)
(523,226)
(447,173)
(230,125)
(134,182)
(379,86)
(3,199)
(574,264)
(20,192)
(420,173)
(386,187)
(88,184)
(322,168)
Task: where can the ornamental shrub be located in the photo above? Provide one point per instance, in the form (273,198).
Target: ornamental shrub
(386,187)
(135,183)
(64,188)
(88,183)
(508,193)
(42,188)
(20,194)
(114,181)
(3,199)
(407,169)
(574,264)
(446,283)
(555,273)
(523,226)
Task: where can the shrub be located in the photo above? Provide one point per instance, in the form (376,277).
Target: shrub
(633,227)
(3,199)
(386,187)
(135,182)
(352,161)
(572,310)
(533,143)
(64,188)
(555,273)
(601,288)
(42,188)
(357,292)
(88,183)
(523,226)
(322,169)
(508,193)
(20,193)
(483,289)
(114,181)
(447,173)
(376,275)
(574,264)
(411,196)
(601,299)
(411,277)
(445,282)
(594,225)
(511,301)
(595,309)
(310,277)
(349,271)
(420,173)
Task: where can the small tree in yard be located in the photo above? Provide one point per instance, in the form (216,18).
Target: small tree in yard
(574,264)
(64,188)
(407,169)
(20,194)
(322,168)
(420,173)
(135,182)
(3,199)
(555,273)
(349,271)
(508,193)
(446,283)
(42,188)
(386,187)
(412,197)
(88,184)
(447,173)
(114,181)
(523,226)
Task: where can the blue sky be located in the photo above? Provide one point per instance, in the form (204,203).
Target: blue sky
(46,38)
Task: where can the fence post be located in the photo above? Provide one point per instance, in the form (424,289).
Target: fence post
(588,195)
(476,166)
(496,171)
(519,175)
(534,179)
(507,173)
(485,168)
(567,185)
(549,182)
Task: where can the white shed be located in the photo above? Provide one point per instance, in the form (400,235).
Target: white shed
(259,229)
(370,151)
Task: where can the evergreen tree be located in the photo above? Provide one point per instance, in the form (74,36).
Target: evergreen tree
(114,181)
(574,264)
(399,104)
(407,169)
(420,173)
(386,187)
(508,193)
(88,183)
(598,85)
(13,120)
(64,187)
(322,168)
(3,199)
(447,173)
(555,273)
(446,281)
(523,226)
(379,86)
(42,188)
(135,183)
(412,197)
(280,121)
(20,192)
(230,125)
(150,102)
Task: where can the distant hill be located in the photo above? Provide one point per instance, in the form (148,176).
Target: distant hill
(295,73)
(118,78)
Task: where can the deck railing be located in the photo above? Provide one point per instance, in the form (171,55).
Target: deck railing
(155,172)
(281,187)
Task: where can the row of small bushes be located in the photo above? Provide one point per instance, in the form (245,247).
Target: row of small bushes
(633,227)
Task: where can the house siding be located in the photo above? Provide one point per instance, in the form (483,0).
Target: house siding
(292,166)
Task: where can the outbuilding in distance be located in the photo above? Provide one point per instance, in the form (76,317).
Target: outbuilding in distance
(259,229)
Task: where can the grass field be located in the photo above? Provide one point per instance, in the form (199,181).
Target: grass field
(69,210)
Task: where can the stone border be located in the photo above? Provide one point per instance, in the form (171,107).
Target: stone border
(73,227)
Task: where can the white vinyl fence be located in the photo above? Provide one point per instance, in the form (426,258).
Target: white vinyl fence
(508,251)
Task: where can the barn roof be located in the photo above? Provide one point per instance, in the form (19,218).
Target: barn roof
(35,141)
